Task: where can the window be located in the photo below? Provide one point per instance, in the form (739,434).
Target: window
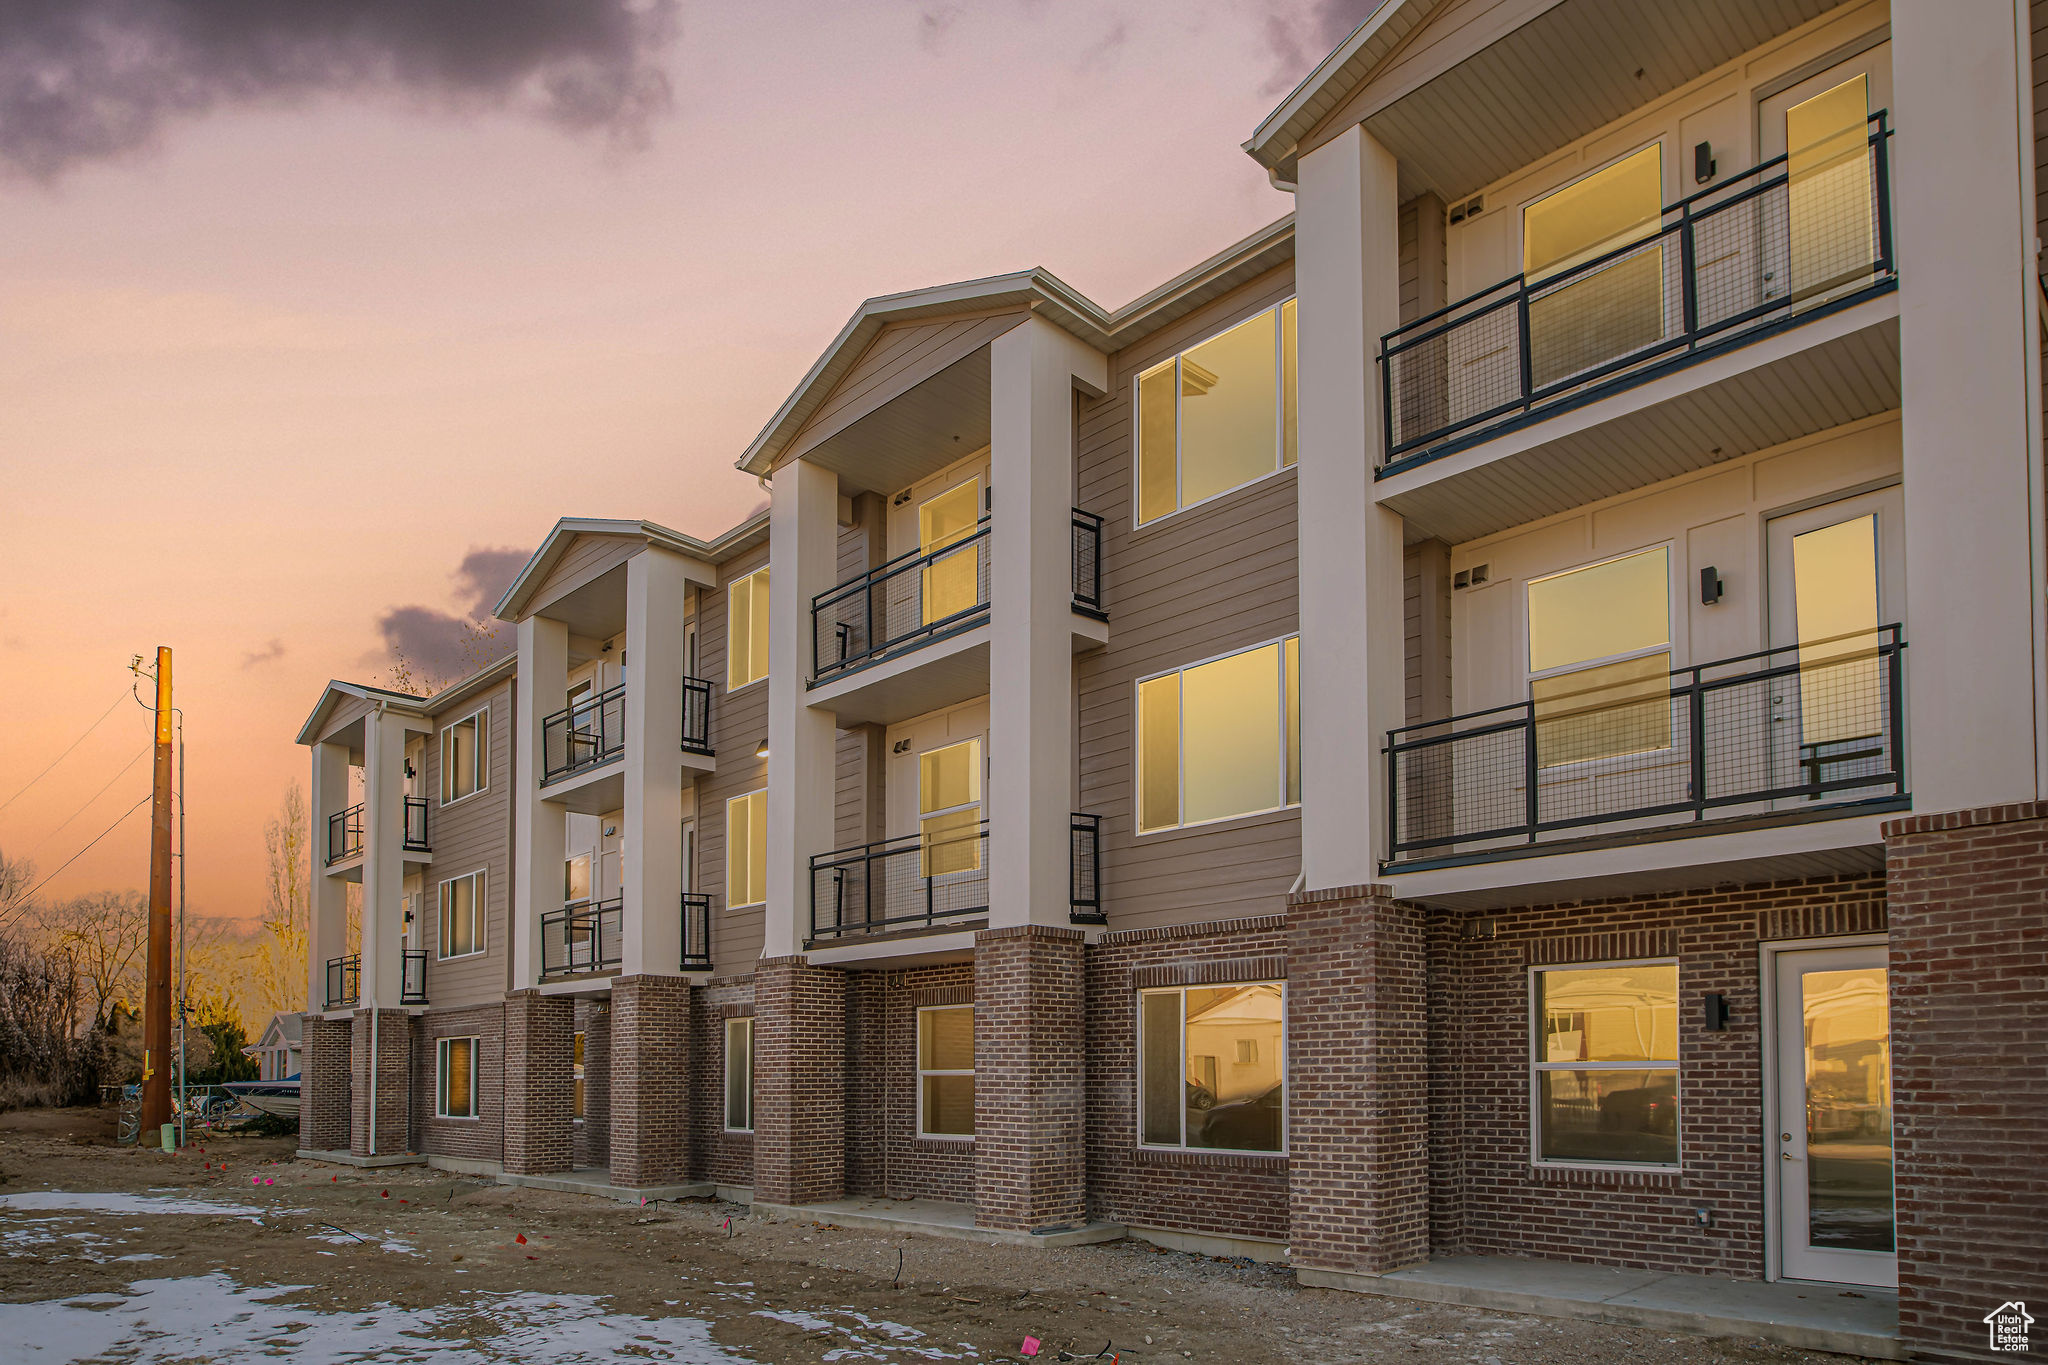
(576,1073)
(1604,1084)
(945,1071)
(739,1075)
(951,584)
(1827,172)
(465,757)
(455,1078)
(1218,415)
(1210,1067)
(1220,739)
(1834,576)
(746,850)
(1600,659)
(462,916)
(949,809)
(746,630)
(576,879)
(1613,309)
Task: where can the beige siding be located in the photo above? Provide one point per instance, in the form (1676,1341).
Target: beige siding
(1427,629)
(475,832)
(899,358)
(1204,581)
(851,778)
(346,713)
(739,722)
(586,558)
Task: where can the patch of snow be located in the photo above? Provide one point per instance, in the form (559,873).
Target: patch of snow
(122,1203)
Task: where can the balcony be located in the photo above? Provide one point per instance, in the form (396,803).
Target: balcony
(1812,731)
(345,834)
(696,955)
(413,977)
(344,981)
(932,880)
(900,606)
(592,732)
(416,825)
(587,937)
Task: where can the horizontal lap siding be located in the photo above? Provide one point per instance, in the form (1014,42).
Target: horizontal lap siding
(739,723)
(473,833)
(899,358)
(850,786)
(1202,582)
(586,558)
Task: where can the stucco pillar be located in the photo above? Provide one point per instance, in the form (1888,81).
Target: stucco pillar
(1347,276)
(327,931)
(1969,425)
(804,533)
(383,859)
(539,829)
(1034,369)
(653,819)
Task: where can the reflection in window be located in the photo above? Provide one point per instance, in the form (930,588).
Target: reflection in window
(739,1075)
(1847,1026)
(1211,1068)
(949,809)
(576,1079)
(1828,184)
(1834,576)
(1606,1063)
(455,1078)
(945,1071)
(951,584)
(464,757)
(746,849)
(1218,415)
(746,630)
(462,916)
(1600,659)
(1221,738)
(1610,310)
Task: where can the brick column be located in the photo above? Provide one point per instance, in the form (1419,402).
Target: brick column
(650,1081)
(1030,1038)
(388,1074)
(1967,899)
(1357,1101)
(799,1082)
(593,1147)
(539,1049)
(324,1064)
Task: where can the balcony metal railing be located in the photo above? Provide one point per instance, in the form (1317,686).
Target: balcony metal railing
(1766,736)
(590,732)
(1084,893)
(416,825)
(1754,252)
(926,880)
(344,981)
(1087,563)
(345,833)
(583,936)
(697,716)
(696,932)
(413,974)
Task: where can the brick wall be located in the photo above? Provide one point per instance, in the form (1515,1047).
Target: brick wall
(483,1137)
(538,1052)
(800,1082)
(389,1071)
(716,1155)
(1236,1196)
(593,1132)
(324,1065)
(1969,987)
(884,1154)
(651,1092)
(1030,1056)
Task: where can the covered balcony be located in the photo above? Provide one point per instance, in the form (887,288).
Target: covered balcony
(936,878)
(589,736)
(345,833)
(344,981)
(587,937)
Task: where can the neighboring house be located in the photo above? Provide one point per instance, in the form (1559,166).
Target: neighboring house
(1535,748)
(277,1050)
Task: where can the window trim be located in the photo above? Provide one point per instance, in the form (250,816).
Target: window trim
(725,1075)
(730,904)
(730,584)
(1138,747)
(922,1134)
(1676,1066)
(483,758)
(1138,1071)
(480,877)
(475,1042)
(1138,524)
(1665,164)
(579,1042)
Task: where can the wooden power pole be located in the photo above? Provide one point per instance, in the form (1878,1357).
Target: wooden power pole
(156,994)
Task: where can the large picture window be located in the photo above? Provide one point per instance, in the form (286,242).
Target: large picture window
(949,809)
(1600,659)
(1604,1084)
(1211,1067)
(746,850)
(462,916)
(739,1075)
(1218,415)
(465,757)
(1610,310)
(1221,738)
(746,630)
(455,1078)
(945,1071)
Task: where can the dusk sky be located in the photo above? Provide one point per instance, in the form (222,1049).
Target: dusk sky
(313,314)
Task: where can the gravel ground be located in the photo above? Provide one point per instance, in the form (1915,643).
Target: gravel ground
(240,1253)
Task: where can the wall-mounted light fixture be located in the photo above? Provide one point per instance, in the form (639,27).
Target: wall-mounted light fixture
(761,749)
(1711,586)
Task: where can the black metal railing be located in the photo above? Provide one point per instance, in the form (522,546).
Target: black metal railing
(345,833)
(697,716)
(416,825)
(1770,735)
(1726,262)
(1084,894)
(583,936)
(344,980)
(696,932)
(583,735)
(1087,563)
(413,977)
(900,605)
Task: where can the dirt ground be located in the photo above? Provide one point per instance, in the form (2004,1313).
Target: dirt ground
(238,1252)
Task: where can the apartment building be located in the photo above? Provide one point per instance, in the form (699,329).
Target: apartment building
(1499,716)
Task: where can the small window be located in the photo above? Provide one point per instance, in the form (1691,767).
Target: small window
(746,630)
(1210,1068)
(1218,415)
(576,1080)
(1604,1081)
(576,879)
(739,1075)
(951,583)
(945,1071)
(462,916)
(455,1078)
(746,850)
(465,757)
(949,809)
(1220,739)
(1600,659)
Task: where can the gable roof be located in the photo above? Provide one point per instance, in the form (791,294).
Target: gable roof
(337,693)
(1276,141)
(569,529)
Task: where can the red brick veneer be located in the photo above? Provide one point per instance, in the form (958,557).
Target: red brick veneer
(592,1136)
(1030,1069)
(390,1071)
(650,1081)
(716,1155)
(324,1066)
(800,1082)
(539,1052)
(483,1137)
(884,1154)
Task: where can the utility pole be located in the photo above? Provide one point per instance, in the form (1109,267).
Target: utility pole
(156,994)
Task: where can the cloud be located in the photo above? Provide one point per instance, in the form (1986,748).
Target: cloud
(1301,39)
(84,80)
(441,646)
(270,653)
(934,23)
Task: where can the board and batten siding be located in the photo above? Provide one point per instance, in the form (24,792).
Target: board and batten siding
(739,723)
(1201,582)
(473,833)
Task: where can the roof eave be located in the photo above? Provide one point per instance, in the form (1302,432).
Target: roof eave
(1276,142)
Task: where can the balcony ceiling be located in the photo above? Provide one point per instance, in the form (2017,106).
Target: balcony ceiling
(918,432)
(1573,69)
(597,610)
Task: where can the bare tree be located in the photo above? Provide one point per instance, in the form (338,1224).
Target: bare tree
(104,933)
(17,876)
(279,956)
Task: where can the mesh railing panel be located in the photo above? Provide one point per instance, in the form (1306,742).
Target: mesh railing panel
(697,715)
(1085,882)
(1087,560)
(901,604)
(413,971)
(416,824)
(344,976)
(899,883)
(592,731)
(696,930)
(345,833)
(585,937)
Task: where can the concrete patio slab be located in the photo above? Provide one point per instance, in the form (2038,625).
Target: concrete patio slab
(935,1218)
(596,1180)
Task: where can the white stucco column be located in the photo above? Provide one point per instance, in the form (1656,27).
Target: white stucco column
(652,829)
(803,533)
(1347,276)
(538,827)
(383,859)
(327,909)
(1034,369)
(1972,464)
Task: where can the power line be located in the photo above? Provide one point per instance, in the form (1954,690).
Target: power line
(40,843)
(60,757)
(28,899)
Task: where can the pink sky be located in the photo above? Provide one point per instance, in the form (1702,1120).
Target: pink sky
(276,374)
